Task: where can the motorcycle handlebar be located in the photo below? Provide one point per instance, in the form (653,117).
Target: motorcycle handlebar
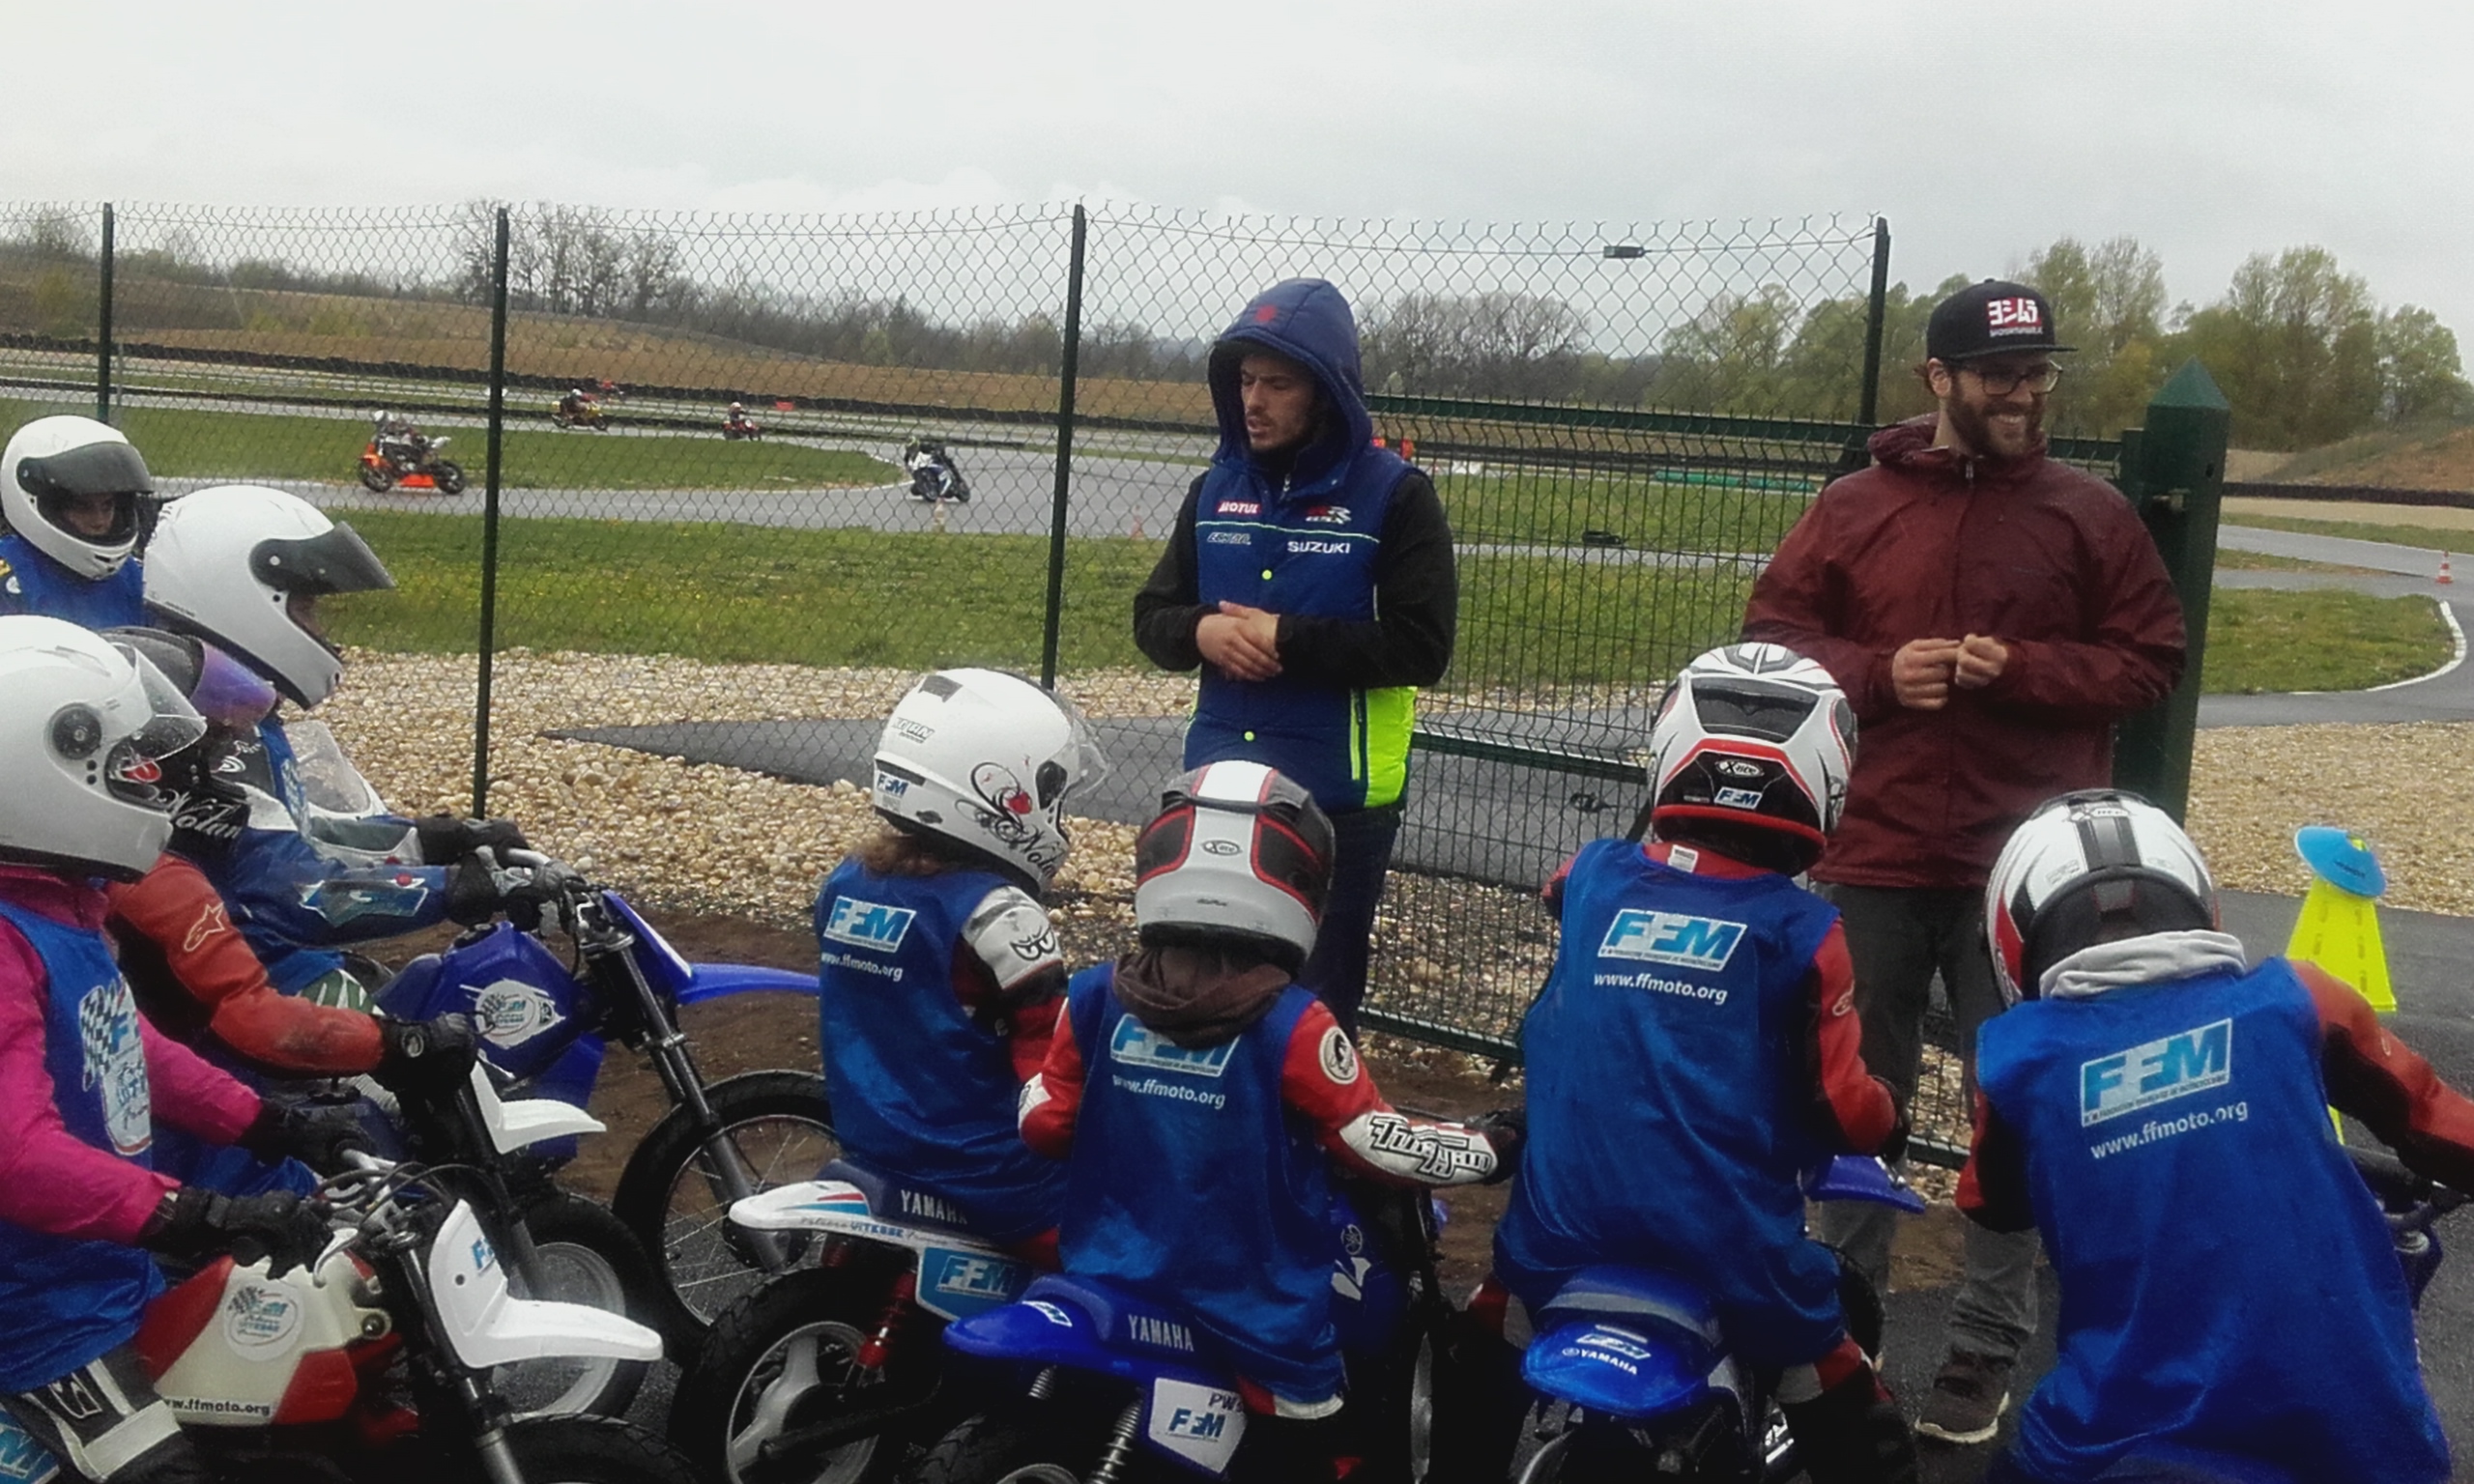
(2400,1189)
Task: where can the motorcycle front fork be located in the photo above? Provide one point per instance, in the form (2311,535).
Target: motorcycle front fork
(726,1172)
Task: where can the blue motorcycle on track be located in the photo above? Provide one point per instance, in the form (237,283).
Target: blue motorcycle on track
(547,1023)
(1121,1387)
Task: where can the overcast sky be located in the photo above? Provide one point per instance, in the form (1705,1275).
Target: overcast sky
(2207,129)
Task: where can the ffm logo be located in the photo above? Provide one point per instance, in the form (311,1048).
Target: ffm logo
(1671,937)
(1136,1044)
(2012,314)
(2157,1071)
(868,924)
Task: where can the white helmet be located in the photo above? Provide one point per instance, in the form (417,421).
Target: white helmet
(1237,851)
(1754,736)
(242,567)
(2089,867)
(85,722)
(52,461)
(986,760)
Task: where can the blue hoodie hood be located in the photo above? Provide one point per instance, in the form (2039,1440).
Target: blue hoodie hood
(1307,321)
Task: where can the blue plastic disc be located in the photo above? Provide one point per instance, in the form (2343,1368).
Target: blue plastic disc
(2340,859)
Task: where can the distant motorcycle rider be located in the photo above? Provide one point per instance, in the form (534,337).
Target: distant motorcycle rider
(399,441)
(84,1081)
(933,473)
(78,501)
(245,567)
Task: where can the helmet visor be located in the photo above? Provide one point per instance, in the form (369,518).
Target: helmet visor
(59,483)
(335,561)
(1751,709)
(1077,765)
(133,768)
(229,694)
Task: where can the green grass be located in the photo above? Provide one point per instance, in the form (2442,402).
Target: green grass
(1555,507)
(2229,560)
(188,443)
(919,600)
(2259,639)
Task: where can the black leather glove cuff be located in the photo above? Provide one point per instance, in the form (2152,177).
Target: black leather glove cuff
(472,893)
(420,1055)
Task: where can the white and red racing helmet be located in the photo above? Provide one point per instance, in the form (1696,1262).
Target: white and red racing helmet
(2083,869)
(1238,855)
(1753,736)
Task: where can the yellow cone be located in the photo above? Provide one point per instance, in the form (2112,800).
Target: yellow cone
(2339,932)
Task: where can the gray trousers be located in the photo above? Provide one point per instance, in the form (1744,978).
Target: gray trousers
(1899,938)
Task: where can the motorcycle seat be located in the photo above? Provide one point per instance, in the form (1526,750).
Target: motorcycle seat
(1640,1297)
(1128,1322)
(893,1199)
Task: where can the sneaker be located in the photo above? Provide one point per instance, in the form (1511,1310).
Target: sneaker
(1968,1399)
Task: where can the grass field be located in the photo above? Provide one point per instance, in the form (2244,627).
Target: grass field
(1558,507)
(2432,538)
(742,593)
(184,443)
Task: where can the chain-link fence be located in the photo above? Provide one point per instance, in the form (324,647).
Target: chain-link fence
(960,438)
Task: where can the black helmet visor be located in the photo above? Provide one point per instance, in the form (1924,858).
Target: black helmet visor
(54,480)
(337,560)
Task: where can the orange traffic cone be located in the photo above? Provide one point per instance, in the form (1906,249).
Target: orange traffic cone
(2443,580)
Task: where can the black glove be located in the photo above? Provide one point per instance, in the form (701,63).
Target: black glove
(477,889)
(424,1056)
(444,838)
(317,1137)
(1508,1130)
(1894,1147)
(192,1224)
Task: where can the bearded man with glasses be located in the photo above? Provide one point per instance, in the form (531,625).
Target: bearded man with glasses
(1991,614)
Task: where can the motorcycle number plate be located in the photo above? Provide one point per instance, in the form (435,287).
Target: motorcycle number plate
(1199,1424)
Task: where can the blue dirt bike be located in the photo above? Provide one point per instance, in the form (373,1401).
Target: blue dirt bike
(834,1371)
(1122,1388)
(546,1023)
(1634,1380)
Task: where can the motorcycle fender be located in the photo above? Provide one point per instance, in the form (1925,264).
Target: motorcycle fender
(714,981)
(1199,1426)
(488,1325)
(956,1282)
(526,1121)
(1608,1368)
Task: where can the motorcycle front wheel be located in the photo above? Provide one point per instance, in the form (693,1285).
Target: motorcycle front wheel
(674,1193)
(784,1360)
(449,475)
(592,1450)
(991,1449)
(588,1257)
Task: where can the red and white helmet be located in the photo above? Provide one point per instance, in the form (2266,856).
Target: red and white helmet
(2089,867)
(1238,853)
(1754,736)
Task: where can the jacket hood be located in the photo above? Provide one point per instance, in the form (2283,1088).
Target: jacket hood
(1908,446)
(2149,958)
(1309,322)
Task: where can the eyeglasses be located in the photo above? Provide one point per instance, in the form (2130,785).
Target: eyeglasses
(2001,384)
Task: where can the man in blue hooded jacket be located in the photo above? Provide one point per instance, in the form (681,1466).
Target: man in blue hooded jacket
(1311,576)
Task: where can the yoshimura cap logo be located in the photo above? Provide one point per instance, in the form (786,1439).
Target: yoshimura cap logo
(2013,317)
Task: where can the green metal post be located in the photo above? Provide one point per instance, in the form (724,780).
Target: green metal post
(103,323)
(2173,472)
(1875,311)
(1054,620)
(490,521)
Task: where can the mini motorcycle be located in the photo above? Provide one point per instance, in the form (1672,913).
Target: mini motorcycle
(1635,1380)
(546,1023)
(580,412)
(933,475)
(412,462)
(1123,1388)
(831,1371)
(378,1357)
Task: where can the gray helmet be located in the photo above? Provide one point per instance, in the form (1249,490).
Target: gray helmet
(1237,854)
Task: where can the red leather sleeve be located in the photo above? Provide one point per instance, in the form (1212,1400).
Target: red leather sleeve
(1993,1187)
(2374,1076)
(1855,1105)
(176,909)
(1052,1100)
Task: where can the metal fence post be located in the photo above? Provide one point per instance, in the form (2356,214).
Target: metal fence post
(1055,618)
(103,323)
(2173,476)
(490,518)
(1875,311)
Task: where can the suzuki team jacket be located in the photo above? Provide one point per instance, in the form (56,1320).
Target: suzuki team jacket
(1932,544)
(1348,543)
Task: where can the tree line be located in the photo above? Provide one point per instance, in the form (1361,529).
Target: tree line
(2304,351)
